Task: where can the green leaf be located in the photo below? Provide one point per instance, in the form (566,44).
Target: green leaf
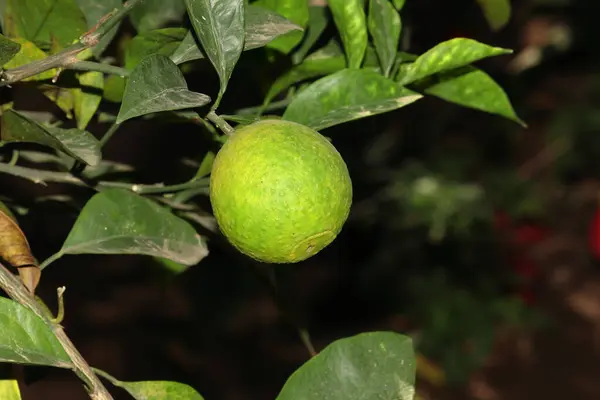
(349,17)
(114,87)
(384,27)
(8,49)
(117,221)
(317,22)
(29,52)
(44,21)
(87,98)
(496,12)
(295,11)
(160,390)
(262,26)
(171,266)
(451,54)
(79,144)
(156,85)
(26,339)
(219,26)
(373,365)
(399,4)
(93,11)
(347,95)
(155,14)
(61,96)
(473,88)
(161,41)
(324,61)
(9,389)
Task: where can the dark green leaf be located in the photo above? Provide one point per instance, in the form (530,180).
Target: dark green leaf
(26,339)
(384,26)
(219,26)
(161,41)
(160,390)
(295,11)
(79,144)
(451,54)
(117,221)
(27,53)
(347,95)
(262,26)
(155,14)
(8,49)
(349,17)
(87,98)
(324,61)
(317,22)
(374,365)
(399,4)
(496,12)
(42,21)
(94,10)
(156,85)
(473,88)
(9,389)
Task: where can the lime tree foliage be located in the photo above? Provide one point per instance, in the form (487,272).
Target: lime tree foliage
(62,49)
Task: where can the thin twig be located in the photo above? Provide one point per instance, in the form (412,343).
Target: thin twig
(19,293)
(220,122)
(67,57)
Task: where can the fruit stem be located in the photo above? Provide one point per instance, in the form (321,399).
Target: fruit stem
(220,122)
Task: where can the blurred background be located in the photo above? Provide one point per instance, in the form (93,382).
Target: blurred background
(473,235)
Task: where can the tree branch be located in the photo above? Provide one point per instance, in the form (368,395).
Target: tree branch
(19,293)
(68,57)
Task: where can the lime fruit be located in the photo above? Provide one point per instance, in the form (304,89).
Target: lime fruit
(280,191)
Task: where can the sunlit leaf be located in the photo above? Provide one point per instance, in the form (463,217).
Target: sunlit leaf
(351,21)
(87,98)
(94,10)
(27,53)
(399,4)
(373,365)
(117,221)
(26,339)
(8,49)
(451,54)
(473,88)
(156,85)
(219,26)
(42,21)
(156,14)
(9,389)
(496,12)
(347,95)
(295,11)
(61,96)
(384,27)
(79,144)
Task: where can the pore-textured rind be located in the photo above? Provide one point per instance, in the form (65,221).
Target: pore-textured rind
(280,191)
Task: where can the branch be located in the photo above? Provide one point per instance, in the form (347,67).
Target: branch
(42,176)
(68,57)
(19,293)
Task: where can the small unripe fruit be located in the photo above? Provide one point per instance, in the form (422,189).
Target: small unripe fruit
(280,191)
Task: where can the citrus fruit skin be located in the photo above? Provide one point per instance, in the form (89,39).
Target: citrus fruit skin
(280,191)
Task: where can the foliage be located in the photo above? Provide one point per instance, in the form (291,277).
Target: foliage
(61,49)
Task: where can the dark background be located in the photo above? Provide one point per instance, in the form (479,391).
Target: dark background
(217,327)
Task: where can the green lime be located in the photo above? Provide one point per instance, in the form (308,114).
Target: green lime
(280,191)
